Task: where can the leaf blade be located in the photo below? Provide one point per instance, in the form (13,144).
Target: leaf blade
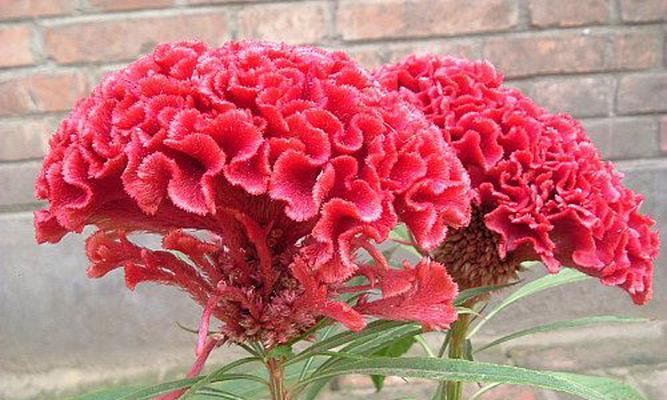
(538,285)
(574,323)
(589,388)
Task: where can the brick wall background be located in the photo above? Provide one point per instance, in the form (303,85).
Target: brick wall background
(602,60)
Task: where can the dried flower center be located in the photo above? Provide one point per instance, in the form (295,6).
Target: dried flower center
(249,312)
(471,256)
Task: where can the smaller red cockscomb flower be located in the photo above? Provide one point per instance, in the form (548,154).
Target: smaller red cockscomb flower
(541,188)
(265,168)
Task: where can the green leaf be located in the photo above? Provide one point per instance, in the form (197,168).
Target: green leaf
(471,293)
(574,323)
(401,234)
(309,361)
(218,394)
(370,345)
(396,349)
(255,390)
(345,337)
(315,389)
(586,387)
(424,345)
(213,377)
(485,389)
(390,252)
(546,282)
(152,391)
(375,337)
(467,351)
(106,394)
(281,352)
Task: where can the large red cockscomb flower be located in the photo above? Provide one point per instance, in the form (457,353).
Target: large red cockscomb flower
(542,189)
(265,168)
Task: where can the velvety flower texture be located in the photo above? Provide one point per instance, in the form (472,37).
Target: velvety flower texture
(542,190)
(265,168)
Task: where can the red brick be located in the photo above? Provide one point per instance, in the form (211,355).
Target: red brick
(292,22)
(15,46)
(643,10)
(122,39)
(17,181)
(35,8)
(535,55)
(459,48)
(42,92)
(369,56)
(611,136)
(374,19)
(545,13)
(115,5)
(579,96)
(636,50)
(25,139)
(663,134)
(642,93)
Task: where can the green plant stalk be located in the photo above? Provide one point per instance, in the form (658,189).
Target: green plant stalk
(277,379)
(453,390)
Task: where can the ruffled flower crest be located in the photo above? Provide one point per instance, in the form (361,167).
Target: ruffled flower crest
(542,191)
(265,168)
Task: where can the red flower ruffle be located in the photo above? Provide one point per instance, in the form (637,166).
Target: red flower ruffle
(268,166)
(538,179)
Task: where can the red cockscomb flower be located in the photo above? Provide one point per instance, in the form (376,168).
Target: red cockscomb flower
(542,190)
(268,167)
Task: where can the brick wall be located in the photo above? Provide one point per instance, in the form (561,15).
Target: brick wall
(601,60)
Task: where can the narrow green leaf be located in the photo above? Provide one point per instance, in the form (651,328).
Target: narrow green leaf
(471,293)
(370,345)
(467,351)
(586,387)
(152,391)
(574,323)
(485,389)
(401,235)
(106,394)
(185,328)
(212,377)
(283,351)
(315,389)
(424,345)
(255,390)
(345,337)
(381,335)
(400,232)
(218,394)
(390,252)
(546,282)
(309,361)
(234,377)
(395,349)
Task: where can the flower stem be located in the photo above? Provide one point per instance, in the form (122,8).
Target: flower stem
(453,390)
(277,379)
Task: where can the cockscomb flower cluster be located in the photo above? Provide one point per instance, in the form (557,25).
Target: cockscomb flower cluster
(542,191)
(266,169)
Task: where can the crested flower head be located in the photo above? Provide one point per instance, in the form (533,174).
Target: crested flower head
(542,191)
(265,168)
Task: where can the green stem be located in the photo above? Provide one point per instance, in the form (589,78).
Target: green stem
(453,390)
(277,379)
